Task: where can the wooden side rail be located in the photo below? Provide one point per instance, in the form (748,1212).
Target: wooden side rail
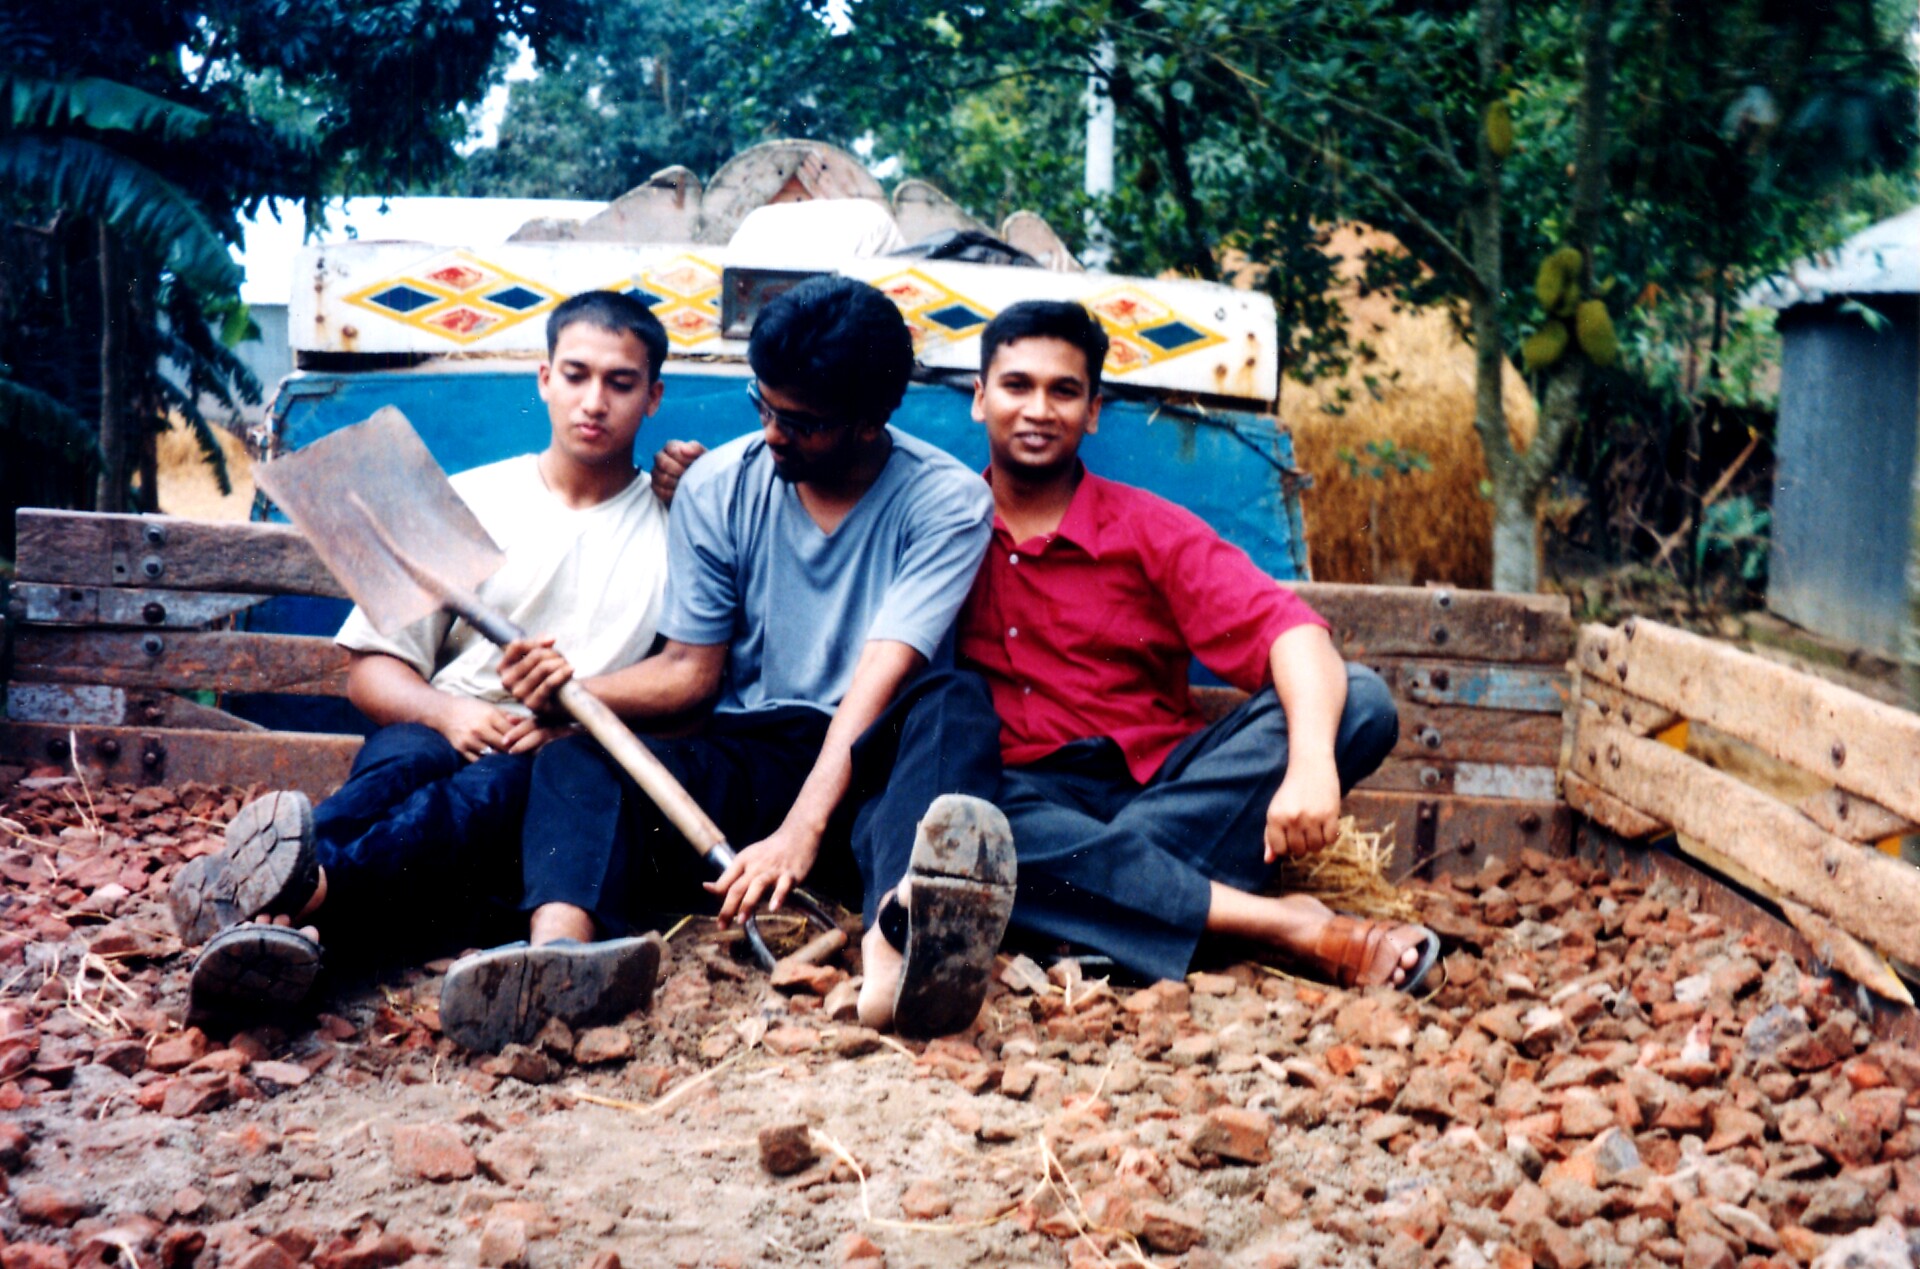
(115,619)
(1830,770)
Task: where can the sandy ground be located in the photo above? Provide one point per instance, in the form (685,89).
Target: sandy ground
(1605,1078)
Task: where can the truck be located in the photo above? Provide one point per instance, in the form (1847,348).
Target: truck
(153,649)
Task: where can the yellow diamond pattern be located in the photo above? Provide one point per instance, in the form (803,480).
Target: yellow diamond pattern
(1143,331)
(456,296)
(684,293)
(934,313)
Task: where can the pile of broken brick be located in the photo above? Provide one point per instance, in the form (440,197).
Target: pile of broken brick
(1605,1076)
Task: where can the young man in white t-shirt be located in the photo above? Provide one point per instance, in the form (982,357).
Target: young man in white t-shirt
(426,829)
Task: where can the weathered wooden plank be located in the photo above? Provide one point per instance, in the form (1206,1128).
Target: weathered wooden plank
(1871,895)
(215,661)
(1838,736)
(79,548)
(1845,953)
(1532,689)
(1603,808)
(315,764)
(1474,779)
(1455,834)
(1855,818)
(1642,718)
(1471,625)
(1465,734)
(45,603)
(95,705)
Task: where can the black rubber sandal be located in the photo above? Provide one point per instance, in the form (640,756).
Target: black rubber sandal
(506,994)
(956,911)
(267,869)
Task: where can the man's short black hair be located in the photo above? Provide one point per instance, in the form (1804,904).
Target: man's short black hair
(612,311)
(838,345)
(1047,319)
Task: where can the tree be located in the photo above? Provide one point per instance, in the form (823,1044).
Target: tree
(1672,150)
(129,145)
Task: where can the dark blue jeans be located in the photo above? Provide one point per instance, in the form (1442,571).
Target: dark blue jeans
(1108,864)
(419,841)
(592,839)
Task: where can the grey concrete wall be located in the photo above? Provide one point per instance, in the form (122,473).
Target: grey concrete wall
(1844,454)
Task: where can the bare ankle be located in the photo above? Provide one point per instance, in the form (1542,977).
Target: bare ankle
(553,921)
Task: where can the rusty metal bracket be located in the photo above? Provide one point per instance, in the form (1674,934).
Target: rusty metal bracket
(1426,837)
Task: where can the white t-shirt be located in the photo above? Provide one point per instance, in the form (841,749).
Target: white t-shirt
(592,578)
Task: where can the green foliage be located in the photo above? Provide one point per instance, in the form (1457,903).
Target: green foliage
(1381,459)
(131,139)
(1734,537)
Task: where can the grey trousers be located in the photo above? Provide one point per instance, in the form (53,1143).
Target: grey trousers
(1125,869)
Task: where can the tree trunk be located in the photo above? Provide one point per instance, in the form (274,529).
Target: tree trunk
(110,489)
(1513,569)
(1517,491)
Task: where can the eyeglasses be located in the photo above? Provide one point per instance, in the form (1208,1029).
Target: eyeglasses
(790,423)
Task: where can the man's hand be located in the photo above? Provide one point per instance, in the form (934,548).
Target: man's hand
(1304,815)
(528,734)
(534,672)
(670,464)
(475,728)
(775,865)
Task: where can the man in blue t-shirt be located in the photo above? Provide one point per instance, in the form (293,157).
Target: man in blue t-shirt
(814,568)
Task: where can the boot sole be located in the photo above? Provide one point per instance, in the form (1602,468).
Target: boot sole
(504,996)
(252,967)
(267,867)
(963,874)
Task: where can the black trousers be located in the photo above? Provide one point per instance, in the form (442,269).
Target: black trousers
(419,843)
(593,840)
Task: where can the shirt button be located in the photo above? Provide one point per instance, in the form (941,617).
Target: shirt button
(1027,691)
(1013,632)
(1014,558)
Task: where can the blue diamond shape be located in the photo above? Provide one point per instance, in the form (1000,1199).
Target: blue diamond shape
(1173,335)
(652,299)
(957,316)
(517,298)
(403,299)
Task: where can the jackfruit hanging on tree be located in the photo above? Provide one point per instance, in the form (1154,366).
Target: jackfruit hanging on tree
(1557,286)
(1500,130)
(1544,346)
(1593,327)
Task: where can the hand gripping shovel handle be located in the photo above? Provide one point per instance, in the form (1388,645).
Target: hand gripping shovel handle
(614,736)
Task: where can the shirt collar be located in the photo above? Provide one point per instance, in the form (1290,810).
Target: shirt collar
(1081,524)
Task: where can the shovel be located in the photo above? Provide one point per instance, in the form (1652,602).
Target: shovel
(358,493)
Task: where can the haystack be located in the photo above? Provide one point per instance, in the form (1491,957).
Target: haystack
(1432,526)
(187,486)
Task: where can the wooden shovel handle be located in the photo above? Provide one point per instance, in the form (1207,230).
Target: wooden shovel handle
(647,771)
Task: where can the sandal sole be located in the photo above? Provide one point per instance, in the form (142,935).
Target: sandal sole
(504,996)
(963,873)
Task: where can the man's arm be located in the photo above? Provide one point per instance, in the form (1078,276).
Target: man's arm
(680,677)
(1311,681)
(781,861)
(388,691)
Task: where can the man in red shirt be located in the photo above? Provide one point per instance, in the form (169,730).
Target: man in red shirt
(1138,827)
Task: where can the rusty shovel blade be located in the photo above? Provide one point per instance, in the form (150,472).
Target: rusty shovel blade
(347,489)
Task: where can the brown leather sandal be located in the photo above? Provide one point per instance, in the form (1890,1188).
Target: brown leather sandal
(1349,944)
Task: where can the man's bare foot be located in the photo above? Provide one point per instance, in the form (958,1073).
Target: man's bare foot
(287,923)
(553,922)
(880,967)
(1353,952)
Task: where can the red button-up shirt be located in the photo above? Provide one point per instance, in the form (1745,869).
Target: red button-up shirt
(1090,630)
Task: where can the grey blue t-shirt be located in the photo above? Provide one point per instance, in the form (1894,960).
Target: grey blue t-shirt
(748,567)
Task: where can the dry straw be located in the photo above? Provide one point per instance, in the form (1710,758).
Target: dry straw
(1417,392)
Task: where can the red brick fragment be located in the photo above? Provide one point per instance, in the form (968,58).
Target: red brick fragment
(432,1152)
(1236,1134)
(787,1148)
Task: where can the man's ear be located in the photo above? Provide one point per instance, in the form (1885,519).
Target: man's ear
(653,398)
(544,376)
(1093,413)
(979,399)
